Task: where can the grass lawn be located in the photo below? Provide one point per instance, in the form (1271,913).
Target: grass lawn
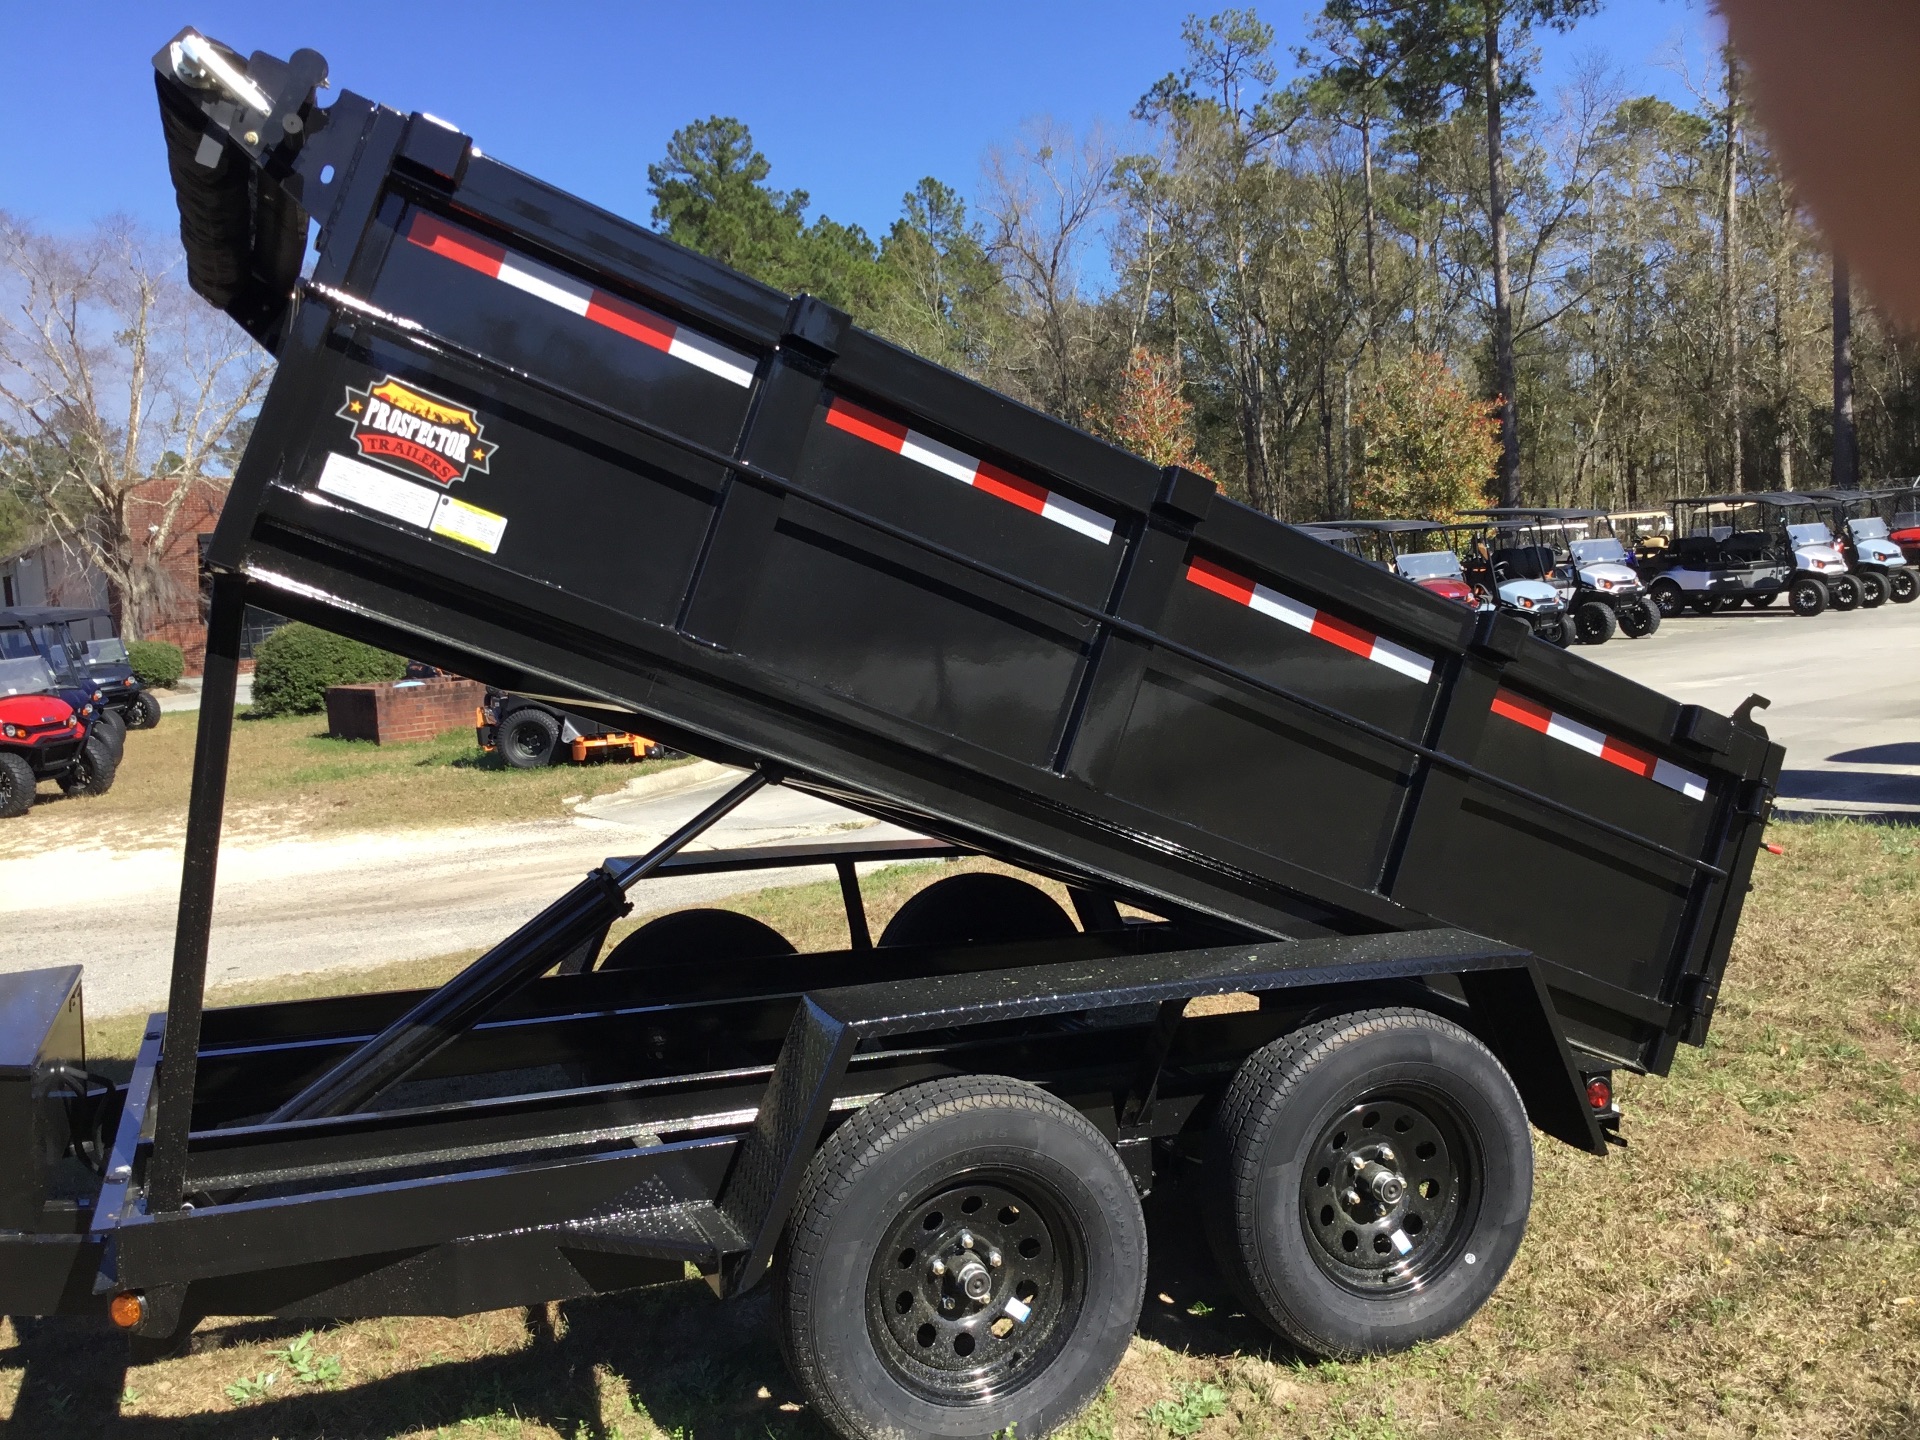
(288,778)
(1750,1267)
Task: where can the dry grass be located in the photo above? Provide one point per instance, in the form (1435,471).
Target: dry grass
(287,779)
(1751,1267)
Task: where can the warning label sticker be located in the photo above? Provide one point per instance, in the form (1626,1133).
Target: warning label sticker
(469,524)
(378,490)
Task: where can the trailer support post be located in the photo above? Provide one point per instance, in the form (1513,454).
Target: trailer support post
(186,994)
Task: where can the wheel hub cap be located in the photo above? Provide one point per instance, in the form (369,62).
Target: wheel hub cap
(970,1291)
(1384,1194)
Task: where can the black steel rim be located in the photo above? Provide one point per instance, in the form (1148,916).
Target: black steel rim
(528,739)
(1390,1191)
(951,1324)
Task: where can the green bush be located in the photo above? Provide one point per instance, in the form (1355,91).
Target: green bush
(156,664)
(293,667)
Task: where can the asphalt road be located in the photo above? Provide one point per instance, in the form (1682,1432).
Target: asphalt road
(1845,693)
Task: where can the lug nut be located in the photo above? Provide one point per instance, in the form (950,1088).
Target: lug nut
(1350,1199)
(993,1258)
(966,1240)
(939,1266)
(1386,1154)
(946,1302)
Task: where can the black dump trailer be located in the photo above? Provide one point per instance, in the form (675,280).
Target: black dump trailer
(1455,876)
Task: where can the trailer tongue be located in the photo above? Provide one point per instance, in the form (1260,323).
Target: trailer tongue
(1465,873)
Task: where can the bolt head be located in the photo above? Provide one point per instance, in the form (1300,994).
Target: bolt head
(939,1266)
(966,1240)
(1386,1154)
(946,1302)
(993,1258)
(1350,1198)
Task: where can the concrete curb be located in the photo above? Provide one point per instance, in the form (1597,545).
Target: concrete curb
(663,782)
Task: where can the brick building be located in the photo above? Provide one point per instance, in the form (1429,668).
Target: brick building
(45,573)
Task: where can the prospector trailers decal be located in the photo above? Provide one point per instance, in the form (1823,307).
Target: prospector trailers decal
(421,435)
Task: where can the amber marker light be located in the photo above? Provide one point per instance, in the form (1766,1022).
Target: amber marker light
(128,1309)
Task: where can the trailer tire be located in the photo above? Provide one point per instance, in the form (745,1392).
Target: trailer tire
(1808,596)
(1594,623)
(857,1304)
(1843,592)
(713,937)
(17,785)
(1873,590)
(143,712)
(92,770)
(1639,619)
(1668,598)
(529,739)
(977,908)
(1902,586)
(1330,1277)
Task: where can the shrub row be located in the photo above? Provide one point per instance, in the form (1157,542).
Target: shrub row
(156,664)
(294,666)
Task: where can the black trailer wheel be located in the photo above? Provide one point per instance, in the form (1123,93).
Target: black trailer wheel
(1873,589)
(965,1257)
(1639,619)
(1843,592)
(143,712)
(1594,622)
(978,908)
(716,937)
(92,770)
(16,785)
(1668,597)
(1902,586)
(1808,596)
(1370,1181)
(529,739)
(1760,600)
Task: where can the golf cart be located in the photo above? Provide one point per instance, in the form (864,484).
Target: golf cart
(1868,545)
(1517,582)
(1344,536)
(64,680)
(1594,574)
(84,643)
(1757,547)
(1901,502)
(1394,546)
(42,737)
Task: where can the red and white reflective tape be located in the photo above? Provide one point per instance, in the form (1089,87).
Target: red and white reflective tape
(923,450)
(1316,623)
(463,247)
(1535,716)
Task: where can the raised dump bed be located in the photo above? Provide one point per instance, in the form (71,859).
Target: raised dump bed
(523,439)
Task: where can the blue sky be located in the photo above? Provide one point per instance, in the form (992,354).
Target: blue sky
(852,102)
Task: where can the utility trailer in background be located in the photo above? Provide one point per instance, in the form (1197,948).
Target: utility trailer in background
(1463,875)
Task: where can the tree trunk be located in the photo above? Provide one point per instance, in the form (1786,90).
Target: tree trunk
(1373,273)
(1503,363)
(1729,262)
(1846,459)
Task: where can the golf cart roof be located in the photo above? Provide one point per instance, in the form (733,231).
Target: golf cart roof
(1850,497)
(1778,498)
(1332,534)
(1395,527)
(49,614)
(1537,512)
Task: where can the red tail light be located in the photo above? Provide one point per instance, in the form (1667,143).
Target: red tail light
(1600,1093)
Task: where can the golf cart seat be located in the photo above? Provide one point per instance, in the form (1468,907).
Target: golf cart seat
(1747,545)
(1524,562)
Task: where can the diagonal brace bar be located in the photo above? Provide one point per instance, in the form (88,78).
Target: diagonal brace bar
(442,1017)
